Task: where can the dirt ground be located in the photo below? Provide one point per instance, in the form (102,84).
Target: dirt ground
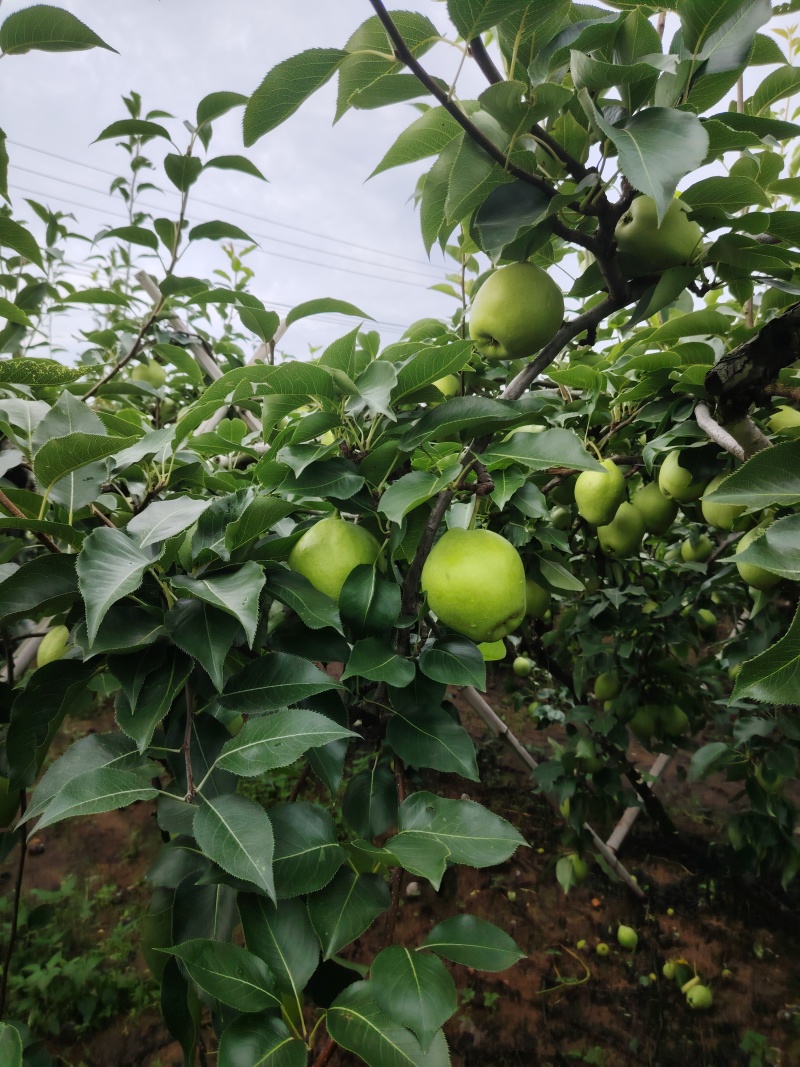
(562,1005)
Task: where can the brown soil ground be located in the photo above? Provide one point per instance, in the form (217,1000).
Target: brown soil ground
(560,1006)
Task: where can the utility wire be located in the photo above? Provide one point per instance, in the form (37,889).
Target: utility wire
(267,237)
(228,207)
(277,255)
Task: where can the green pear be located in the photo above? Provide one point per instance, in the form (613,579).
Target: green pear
(329,551)
(643,723)
(151,372)
(522,666)
(706,619)
(677,482)
(658,511)
(697,551)
(755,576)
(475,584)
(655,247)
(606,685)
(785,420)
(673,721)
(53,646)
(598,495)
(516,311)
(722,516)
(623,535)
(448,386)
(537,599)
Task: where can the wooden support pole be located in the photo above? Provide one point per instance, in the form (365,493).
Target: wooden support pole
(630,815)
(500,729)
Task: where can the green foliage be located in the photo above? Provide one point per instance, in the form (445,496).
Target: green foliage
(153,496)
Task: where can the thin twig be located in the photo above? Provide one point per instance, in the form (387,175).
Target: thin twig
(134,351)
(716,433)
(412,579)
(301,781)
(325,1056)
(398,873)
(11,507)
(186,748)
(101,516)
(12,936)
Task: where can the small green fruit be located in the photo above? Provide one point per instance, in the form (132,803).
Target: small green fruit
(330,550)
(658,512)
(516,311)
(235,725)
(522,666)
(151,372)
(673,721)
(678,482)
(699,998)
(697,551)
(564,807)
(668,970)
(755,576)
(602,949)
(53,646)
(627,937)
(658,247)
(580,868)
(623,535)
(606,685)
(723,516)
(598,496)
(561,518)
(643,723)
(448,386)
(475,584)
(537,599)
(706,619)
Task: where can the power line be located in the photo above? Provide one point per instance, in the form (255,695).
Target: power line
(277,255)
(228,207)
(264,236)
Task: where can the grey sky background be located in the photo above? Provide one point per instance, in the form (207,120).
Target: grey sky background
(174,52)
(318,203)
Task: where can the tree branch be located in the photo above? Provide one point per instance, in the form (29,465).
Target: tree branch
(137,344)
(712,429)
(12,936)
(186,748)
(12,508)
(404,55)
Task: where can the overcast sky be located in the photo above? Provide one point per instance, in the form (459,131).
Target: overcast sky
(174,52)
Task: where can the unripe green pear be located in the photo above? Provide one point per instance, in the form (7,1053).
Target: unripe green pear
(697,551)
(723,516)
(658,248)
(53,646)
(606,685)
(658,511)
(706,619)
(516,311)
(677,482)
(755,576)
(475,584)
(329,551)
(623,535)
(448,386)
(151,372)
(537,599)
(673,721)
(522,666)
(599,495)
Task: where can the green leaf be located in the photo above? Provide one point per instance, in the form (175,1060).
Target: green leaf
(368,604)
(96,791)
(473,942)
(472,834)
(282,936)
(256,521)
(110,565)
(159,690)
(96,296)
(46,585)
(238,163)
(36,372)
(277,740)
(36,714)
(285,88)
(229,973)
(266,1042)
(46,29)
(477,414)
(272,681)
(376,661)
(133,128)
(235,592)
(218,231)
(11,1046)
(431,364)
(322,306)
(61,456)
(370,801)
(414,989)
(768,478)
(454,661)
(336,478)
(181,1008)
(307,853)
(474,17)
(413,489)
(315,608)
(182,171)
(4,167)
(420,854)
(722,33)
(16,315)
(427,736)
(236,834)
(124,628)
(539,451)
(356,1023)
(506,212)
(780,83)
(215,105)
(657,147)
(730,194)
(16,237)
(427,136)
(135,235)
(772,677)
(374,386)
(162,519)
(346,907)
(777,550)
